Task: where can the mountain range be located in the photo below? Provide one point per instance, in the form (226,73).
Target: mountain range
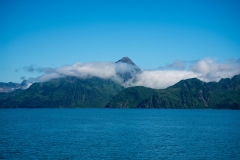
(74,92)
(191,93)
(9,87)
(68,92)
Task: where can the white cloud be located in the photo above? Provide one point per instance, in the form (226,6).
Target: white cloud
(124,67)
(85,70)
(104,70)
(206,69)
(46,77)
(210,70)
(160,79)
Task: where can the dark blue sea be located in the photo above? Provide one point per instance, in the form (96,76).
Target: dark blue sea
(119,134)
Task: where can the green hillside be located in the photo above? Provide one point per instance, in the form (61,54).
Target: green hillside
(68,92)
(130,97)
(190,93)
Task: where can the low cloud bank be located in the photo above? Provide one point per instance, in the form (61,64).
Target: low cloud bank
(105,70)
(159,79)
(210,70)
(207,69)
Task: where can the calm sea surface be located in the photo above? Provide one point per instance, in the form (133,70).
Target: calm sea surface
(119,134)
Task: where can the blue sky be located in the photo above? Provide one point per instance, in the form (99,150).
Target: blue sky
(152,33)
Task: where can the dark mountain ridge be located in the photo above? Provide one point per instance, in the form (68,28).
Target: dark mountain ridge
(190,93)
(68,92)
(73,92)
(10,86)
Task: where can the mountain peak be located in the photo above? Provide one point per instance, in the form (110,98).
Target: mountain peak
(25,84)
(126,60)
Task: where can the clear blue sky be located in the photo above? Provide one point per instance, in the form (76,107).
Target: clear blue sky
(152,33)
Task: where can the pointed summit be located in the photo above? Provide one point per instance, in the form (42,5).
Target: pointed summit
(132,70)
(126,60)
(25,84)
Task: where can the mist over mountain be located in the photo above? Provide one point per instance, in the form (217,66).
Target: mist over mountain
(120,71)
(128,74)
(122,84)
(190,93)
(10,87)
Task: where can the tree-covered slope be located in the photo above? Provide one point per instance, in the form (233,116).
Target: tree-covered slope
(65,92)
(190,93)
(130,97)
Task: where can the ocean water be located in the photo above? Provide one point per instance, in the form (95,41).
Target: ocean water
(119,134)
